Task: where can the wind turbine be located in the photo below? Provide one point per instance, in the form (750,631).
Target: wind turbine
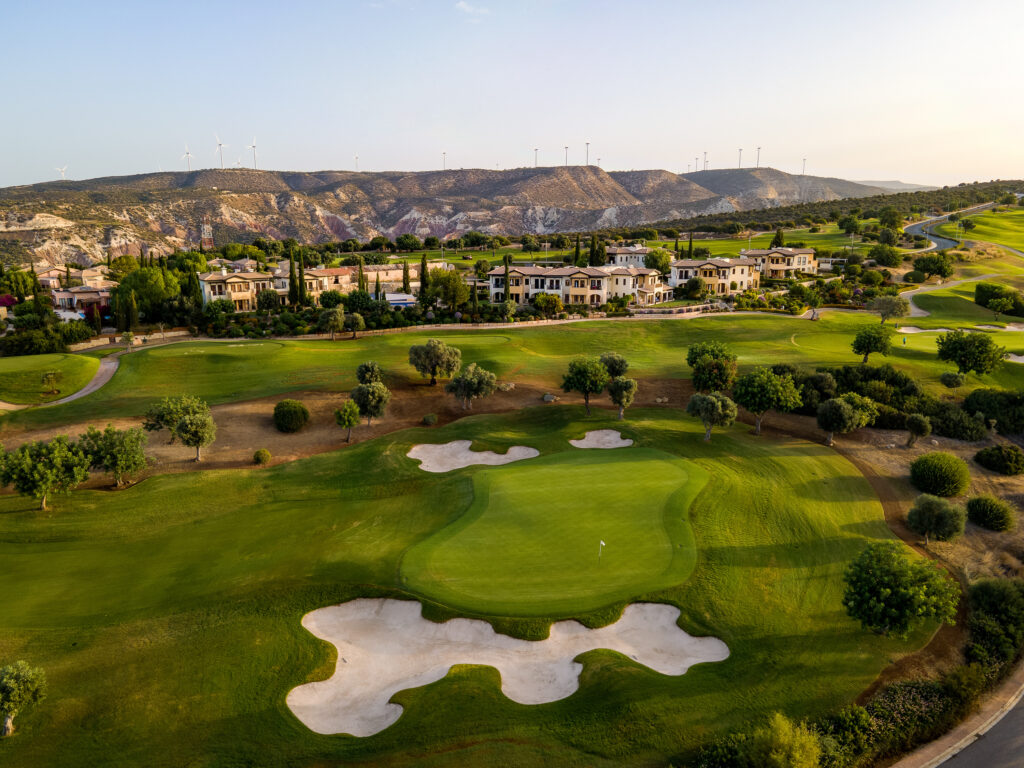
(253,148)
(61,172)
(187,157)
(220,149)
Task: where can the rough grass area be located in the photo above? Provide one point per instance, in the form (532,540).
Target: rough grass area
(167,615)
(21,377)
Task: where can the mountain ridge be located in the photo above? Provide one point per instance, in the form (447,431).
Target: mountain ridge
(84,220)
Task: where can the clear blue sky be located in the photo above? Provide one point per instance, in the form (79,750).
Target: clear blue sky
(921,91)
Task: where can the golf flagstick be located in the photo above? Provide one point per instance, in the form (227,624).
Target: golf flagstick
(600,546)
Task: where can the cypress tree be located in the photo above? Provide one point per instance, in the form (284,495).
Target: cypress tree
(689,249)
(424,274)
(592,256)
(376,287)
(361,276)
(476,301)
(293,283)
(67,275)
(677,244)
(133,311)
(97,319)
(406,285)
(779,240)
(506,281)
(303,296)
(576,253)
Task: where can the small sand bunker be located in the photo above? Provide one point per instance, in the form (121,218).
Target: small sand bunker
(386,646)
(602,438)
(915,329)
(445,457)
(1014,358)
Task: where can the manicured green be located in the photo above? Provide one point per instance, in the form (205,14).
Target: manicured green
(1003,227)
(528,545)
(21,377)
(167,615)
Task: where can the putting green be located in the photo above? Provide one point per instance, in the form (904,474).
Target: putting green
(528,544)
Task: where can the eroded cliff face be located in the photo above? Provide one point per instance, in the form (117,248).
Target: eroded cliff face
(83,221)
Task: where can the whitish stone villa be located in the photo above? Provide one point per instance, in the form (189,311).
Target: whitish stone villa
(592,286)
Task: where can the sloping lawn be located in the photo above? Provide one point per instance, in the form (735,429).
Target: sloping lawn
(167,615)
(21,377)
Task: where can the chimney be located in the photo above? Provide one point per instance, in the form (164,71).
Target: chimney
(223,270)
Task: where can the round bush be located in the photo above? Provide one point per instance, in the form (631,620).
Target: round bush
(1004,459)
(261,457)
(290,416)
(430,419)
(940,474)
(952,379)
(914,276)
(992,513)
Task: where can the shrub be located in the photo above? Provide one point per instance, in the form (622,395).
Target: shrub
(918,426)
(996,623)
(914,276)
(940,474)
(936,518)
(1004,459)
(1005,406)
(952,379)
(430,419)
(261,457)
(290,416)
(990,512)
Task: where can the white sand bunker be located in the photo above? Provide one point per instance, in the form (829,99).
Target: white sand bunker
(602,438)
(915,329)
(445,457)
(386,646)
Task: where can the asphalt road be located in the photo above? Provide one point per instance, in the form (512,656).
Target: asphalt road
(922,228)
(1002,747)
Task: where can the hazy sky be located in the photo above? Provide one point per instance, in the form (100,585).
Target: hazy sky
(920,91)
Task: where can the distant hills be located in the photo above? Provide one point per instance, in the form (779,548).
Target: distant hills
(84,220)
(897,186)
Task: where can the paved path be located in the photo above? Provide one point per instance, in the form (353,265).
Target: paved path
(106,371)
(916,311)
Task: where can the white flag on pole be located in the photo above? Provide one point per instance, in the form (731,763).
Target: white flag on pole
(603,544)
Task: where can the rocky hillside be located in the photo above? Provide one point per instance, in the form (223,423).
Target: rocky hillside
(84,220)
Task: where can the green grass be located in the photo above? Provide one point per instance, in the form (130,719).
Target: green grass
(167,615)
(21,377)
(1004,227)
(528,543)
(226,372)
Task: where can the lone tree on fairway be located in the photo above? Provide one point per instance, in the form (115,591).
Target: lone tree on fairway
(970,352)
(713,364)
(889,307)
(889,594)
(50,380)
(1000,306)
(41,468)
(196,430)
(435,358)
(369,372)
(20,686)
(470,383)
(615,364)
(168,413)
(371,399)
(347,417)
(763,390)
(918,425)
(119,452)
(713,409)
(874,338)
(332,321)
(622,391)
(588,376)
(936,518)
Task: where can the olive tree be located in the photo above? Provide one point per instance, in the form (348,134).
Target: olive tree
(763,390)
(355,323)
(936,518)
(834,416)
(119,452)
(622,392)
(20,686)
(713,365)
(371,399)
(197,430)
(471,383)
(369,372)
(889,307)
(332,321)
(918,425)
(890,594)
(169,412)
(873,338)
(713,409)
(586,375)
(347,417)
(970,352)
(38,469)
(435,358)
(615,363)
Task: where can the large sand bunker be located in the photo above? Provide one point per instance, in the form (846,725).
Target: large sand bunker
(386,646)
(602,438)
(457,454)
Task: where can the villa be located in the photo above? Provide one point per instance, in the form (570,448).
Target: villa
(722,277)
(627,256)
(592,286)
(783,262)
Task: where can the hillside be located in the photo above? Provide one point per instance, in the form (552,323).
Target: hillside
(85,220)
